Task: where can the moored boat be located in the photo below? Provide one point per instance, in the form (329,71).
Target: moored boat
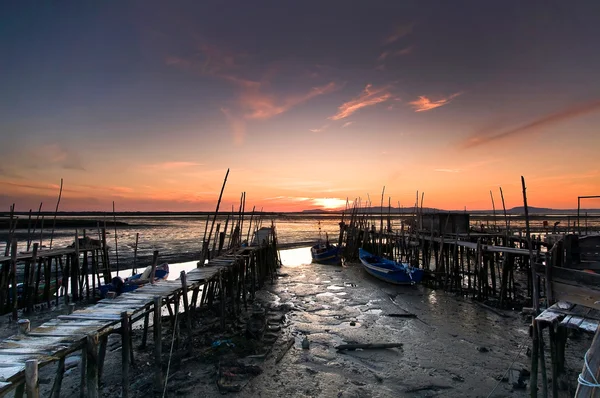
(388,270)
(325,253)
(118,285)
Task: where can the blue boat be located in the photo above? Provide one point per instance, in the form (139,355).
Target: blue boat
(119,286)
(325,253)
(388,270)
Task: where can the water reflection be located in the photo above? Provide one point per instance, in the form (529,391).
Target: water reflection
(295,257)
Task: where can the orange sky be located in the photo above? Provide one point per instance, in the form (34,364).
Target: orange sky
(149,107)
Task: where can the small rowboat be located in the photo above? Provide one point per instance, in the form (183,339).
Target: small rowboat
(388,270)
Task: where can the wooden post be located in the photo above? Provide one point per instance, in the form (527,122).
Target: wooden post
(60,371)
(186,306)
(75,270)
(31,279)
(145,333)
(542,362)
(591,369)
(535,295)
(92,366)
(135,249)
(102,356)
(13,263)
(32,385)
(222,297)
(534,360)
(125,343)
(158,375)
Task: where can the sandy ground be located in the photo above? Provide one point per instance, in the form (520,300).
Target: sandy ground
(452,348)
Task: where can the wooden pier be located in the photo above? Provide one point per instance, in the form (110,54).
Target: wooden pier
(230,280)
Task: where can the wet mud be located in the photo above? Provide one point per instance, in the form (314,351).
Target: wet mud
(284,345)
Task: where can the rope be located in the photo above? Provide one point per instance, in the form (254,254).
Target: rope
(170,354)
(581,379)
(507,370)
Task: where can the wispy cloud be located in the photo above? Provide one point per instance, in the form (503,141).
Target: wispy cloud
(255,99)
(399,32)
(173,165)
(426,104)
(484,137)
(46,156)
(405,51)
(389,54)
(448,170)
(369,97)
(258,105)
(347,124)
(319,129)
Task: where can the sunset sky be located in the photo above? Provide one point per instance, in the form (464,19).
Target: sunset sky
(148,103)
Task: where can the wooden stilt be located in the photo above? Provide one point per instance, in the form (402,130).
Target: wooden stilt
(92,366)
(145,332)
(125,351)
(186,307)
(101,357)
(32,383)
(60,371)
(83,365)
(158,374)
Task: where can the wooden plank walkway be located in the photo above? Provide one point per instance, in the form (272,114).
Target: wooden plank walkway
(59,337)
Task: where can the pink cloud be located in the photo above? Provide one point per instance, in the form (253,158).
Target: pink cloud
(369,97)
(347,124)
(486,136)
(258,105)
(426,104)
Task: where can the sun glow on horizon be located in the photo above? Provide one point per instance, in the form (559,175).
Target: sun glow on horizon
(329,203)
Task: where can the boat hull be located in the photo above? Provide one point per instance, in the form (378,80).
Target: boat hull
(390,271)
(325,254)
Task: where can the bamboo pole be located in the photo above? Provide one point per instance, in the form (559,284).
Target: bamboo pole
(55,212)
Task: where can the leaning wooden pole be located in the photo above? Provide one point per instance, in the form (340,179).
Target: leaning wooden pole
(55,212)
(493,208)
(216,211)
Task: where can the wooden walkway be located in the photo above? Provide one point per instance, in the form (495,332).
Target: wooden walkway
(55,339)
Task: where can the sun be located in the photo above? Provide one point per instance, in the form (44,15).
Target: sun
(329,203)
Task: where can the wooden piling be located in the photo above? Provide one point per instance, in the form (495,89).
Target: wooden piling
(186,307)
(32,385)
(13,263)
(158,374)
(125,350)
(56,386)
(91,348)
